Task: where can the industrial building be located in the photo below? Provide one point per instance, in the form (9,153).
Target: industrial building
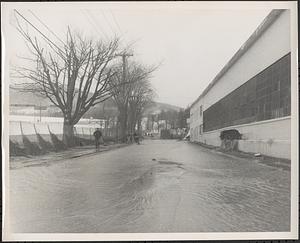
(251,94)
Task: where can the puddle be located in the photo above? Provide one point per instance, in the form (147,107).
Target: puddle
(167,162)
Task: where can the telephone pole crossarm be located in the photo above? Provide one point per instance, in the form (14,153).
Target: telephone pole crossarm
(124,55)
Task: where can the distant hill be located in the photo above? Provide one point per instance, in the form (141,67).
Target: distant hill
(25,98)
(17,97)
(157,107)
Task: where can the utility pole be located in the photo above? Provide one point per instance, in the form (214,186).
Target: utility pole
(124,55)
(123,124)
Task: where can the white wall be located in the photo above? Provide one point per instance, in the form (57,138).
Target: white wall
(55,124)
(273,44)
(196,120)
(270,137)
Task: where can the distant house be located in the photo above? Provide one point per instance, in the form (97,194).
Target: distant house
(22,109)
(24,103)
(34,110)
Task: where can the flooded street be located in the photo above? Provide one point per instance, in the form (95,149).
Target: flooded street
(158,186)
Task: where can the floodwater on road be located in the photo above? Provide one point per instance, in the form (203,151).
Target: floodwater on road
(158,186)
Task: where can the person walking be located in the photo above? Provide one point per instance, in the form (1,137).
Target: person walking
(136,138)
(98,137)
(128,139)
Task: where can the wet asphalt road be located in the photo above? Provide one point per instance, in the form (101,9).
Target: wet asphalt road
(158,186)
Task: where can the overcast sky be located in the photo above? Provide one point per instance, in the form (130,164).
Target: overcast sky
(193,41)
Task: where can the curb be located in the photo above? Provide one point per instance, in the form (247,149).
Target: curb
(35,162)
(263,160)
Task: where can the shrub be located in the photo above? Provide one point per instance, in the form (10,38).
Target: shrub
(45,145)
(31,148)
(58,145)
(15,149)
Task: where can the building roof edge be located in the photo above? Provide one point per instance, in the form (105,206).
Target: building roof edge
(268,21)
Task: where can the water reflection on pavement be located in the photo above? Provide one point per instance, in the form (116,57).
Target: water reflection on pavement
(158,186)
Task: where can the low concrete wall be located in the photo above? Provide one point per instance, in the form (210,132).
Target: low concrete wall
(33,138)
(271,137)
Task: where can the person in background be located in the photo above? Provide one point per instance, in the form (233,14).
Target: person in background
(136,138)
(128,139)
(98,138)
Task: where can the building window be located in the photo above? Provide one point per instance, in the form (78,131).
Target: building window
(200,129)
(201,110)
(265,96)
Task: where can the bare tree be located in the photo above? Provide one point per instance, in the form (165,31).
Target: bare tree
(74,76)
(141,97)
(122,94)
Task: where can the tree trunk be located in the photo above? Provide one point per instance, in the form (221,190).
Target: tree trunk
(132,123)
(139,124)
(68,134)
(131,120)
(117,130)
(105,126)
(123,125)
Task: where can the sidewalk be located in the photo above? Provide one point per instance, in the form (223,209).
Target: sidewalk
(284,164)
(17,162)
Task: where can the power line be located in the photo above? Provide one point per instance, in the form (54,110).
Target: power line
(61,53)
(94,23)
(91,22)
(116,22)
(38,30)
(62,56)
(110,26)
(122,34)
(46,26)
